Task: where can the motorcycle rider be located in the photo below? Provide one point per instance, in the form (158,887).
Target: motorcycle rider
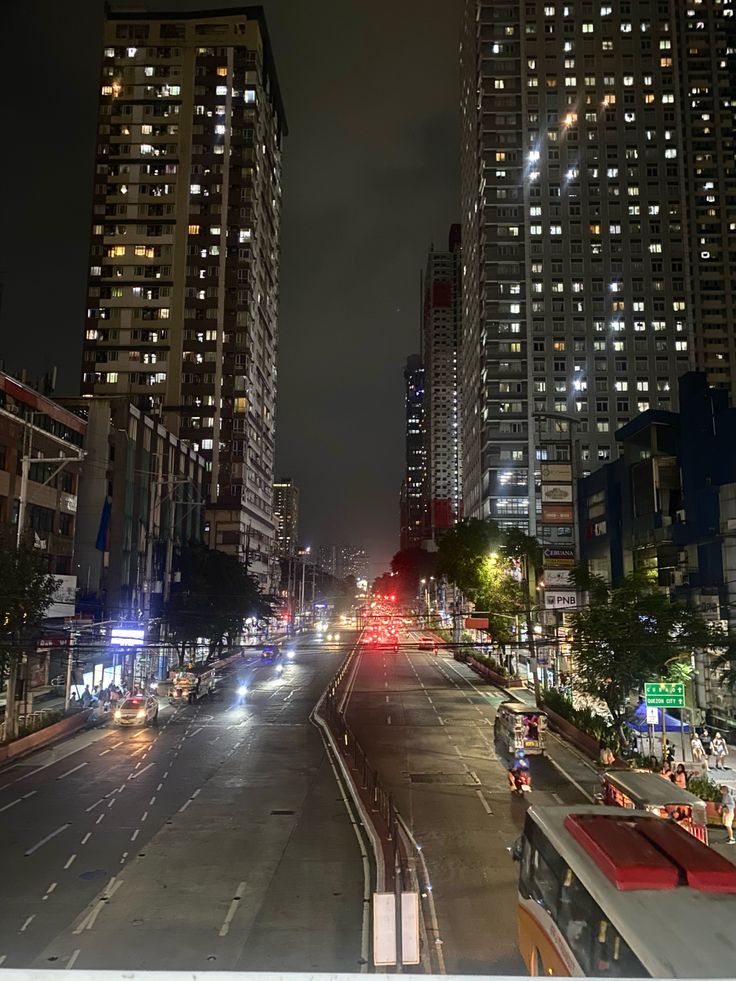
(519,766)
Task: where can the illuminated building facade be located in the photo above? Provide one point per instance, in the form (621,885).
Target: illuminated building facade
(597,195)
(413,495)
(184,271)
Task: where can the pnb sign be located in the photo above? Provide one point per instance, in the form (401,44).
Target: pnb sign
(560,599)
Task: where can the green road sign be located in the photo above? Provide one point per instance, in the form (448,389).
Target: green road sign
(665,694)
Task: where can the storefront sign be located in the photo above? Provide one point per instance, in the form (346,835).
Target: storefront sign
(557,472)
(556,493)
(557,577)
(557,514)
(557,599)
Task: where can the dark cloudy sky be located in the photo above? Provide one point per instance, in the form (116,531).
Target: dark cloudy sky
(370,179)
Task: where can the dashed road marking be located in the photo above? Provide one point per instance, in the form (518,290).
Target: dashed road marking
(224,929)
(28,922)
(86,838)
(484,802)
(69,861)
(73,770)
(73,959)
(135,834)
(39,844)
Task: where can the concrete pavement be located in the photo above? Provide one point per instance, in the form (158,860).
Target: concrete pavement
(218,840)
(428,729)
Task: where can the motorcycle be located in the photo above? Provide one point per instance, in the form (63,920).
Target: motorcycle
(520,782)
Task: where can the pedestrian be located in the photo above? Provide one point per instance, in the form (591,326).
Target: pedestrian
(707,744)
(728,805)
(86,697)
(681,776)
(720,751)
(114,696)
(696,745)
(669,752)
(606,756)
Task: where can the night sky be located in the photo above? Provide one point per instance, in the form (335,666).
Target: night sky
(370,179)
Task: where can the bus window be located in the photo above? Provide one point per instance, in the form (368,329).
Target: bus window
(575,918)
(613,957)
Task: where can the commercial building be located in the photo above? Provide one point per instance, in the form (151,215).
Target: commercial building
(184,268)
(440,346)
(413,511)
(668,504)
(597,200)
(41,448)
(39,431)
(142,499)
(286,516)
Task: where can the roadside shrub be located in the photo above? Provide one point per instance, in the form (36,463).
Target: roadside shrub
(704,788)
(585,718)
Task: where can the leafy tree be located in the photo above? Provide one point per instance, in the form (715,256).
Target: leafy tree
(501,595)
(409,566)
(630,634)
(216,596)
(26,590)
(464,551)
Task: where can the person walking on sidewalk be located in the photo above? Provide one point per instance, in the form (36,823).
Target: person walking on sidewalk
(698,751)
(720,751)
(728,806)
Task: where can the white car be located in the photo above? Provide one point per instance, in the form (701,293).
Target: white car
(137,710)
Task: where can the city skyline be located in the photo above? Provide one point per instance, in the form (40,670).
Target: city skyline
(329,164)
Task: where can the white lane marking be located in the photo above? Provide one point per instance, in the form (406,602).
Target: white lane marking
(51,888)
(28,922)
(387,698)
(483,801)
(98,908)
(135,834)
(11,804)
(69,861)
(86,838)
(73,770)
(458,750)
(104,752)
(139,750)
(567,776)
(201,729)
(152,800)
(43,841)
(134,776)
(112,802)
(2,959)
(144,816)
(166,773)
(557,797)
(115,745)
(100,818)
(441,720)
(185,805)
(122,860)
(388,720)
(29,794)
(93,806)
(231,911)
(73,959)
(474,776)
(197,793)
(159,786)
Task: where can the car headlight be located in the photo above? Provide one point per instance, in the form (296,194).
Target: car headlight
(279,668)
(140,714)
(243,690)
(118,713)
(290,655)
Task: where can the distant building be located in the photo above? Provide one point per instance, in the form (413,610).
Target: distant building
(442,305)
(413,530)
(341,561)
(286,516)
(668,504)
(183,291)
(142,498)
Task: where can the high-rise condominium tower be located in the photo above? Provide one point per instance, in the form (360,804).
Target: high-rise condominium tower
(414,486)
(184,271)
(286,516)
(440,344)
(597,196)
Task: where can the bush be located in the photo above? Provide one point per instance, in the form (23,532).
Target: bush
(490,662)
(585,718)
(704,788)
(40,720)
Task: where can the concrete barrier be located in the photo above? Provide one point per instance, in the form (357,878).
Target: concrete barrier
(581,740)
(49,734)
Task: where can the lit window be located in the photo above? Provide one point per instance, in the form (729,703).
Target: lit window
(193,229)
(250,95)
(221,90)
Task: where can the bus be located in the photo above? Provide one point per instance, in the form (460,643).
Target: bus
(645,791)
(622,894)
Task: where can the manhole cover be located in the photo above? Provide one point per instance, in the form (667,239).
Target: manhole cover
(93,874)
(279,811)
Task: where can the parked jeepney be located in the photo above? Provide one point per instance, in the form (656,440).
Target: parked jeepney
(520,726)
(643,790)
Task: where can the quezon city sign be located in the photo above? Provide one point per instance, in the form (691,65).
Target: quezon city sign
(665,694)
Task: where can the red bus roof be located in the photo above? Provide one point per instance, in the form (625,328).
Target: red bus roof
(643,853)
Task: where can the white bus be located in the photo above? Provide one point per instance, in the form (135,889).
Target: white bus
(622,894)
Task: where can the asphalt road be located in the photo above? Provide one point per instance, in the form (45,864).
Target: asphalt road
(427,727)
(218,839)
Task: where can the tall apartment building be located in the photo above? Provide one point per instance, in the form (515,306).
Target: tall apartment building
(596,155)
(440,344)
(286,516)
(343,560)
(413,496)
(183,284)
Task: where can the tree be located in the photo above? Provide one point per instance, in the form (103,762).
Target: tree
(463,551)
(409,566)
(630,634)
(501,596)
(216,596)
(26,591)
